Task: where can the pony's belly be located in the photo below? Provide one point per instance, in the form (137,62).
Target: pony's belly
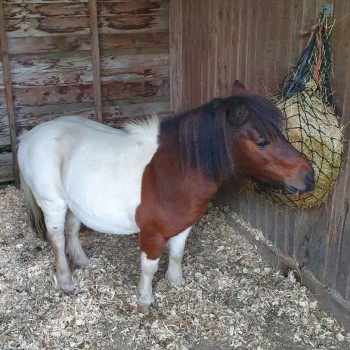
(115,220)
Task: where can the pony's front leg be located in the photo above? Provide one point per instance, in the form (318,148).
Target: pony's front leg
(176,253)
(151,251)
(145,298)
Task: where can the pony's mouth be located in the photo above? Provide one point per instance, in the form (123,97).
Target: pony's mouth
(286,189)
(292,190)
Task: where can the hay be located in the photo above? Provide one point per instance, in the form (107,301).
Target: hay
(232,300)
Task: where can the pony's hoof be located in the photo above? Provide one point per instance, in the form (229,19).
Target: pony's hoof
(67,288)
(175,282)
(67,285)
(144,308)
(81,264)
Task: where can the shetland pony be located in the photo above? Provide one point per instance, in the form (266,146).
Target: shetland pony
(152,177)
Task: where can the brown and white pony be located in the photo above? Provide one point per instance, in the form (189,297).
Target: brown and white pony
(152,177)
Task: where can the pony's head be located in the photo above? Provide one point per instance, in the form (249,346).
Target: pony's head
(258,148)
(240,134)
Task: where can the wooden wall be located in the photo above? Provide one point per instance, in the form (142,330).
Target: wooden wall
(214,42)
(83,58)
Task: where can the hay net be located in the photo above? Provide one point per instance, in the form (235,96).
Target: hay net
(311,124)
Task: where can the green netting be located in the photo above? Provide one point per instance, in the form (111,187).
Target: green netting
(311,124)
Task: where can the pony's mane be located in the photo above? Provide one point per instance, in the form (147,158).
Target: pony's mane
(205,133)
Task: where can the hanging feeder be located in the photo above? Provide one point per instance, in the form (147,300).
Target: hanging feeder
(311,123)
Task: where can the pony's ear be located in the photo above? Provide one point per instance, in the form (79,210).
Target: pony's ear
(238,88)
(238,115)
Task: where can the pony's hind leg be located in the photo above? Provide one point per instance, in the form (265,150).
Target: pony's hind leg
(54,221)
(176,253)
(74,248)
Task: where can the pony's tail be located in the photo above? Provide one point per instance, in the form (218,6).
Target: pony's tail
(35,213)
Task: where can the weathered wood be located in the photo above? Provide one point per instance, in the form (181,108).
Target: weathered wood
(71,43)
(52,9)
(66,69)
(2,97)
(80,25)
(6,167)
(95,53)
(111,90)
(135,89)
(263,11)
(27,45)
(5,140)
(28,117)
(8,94)
(135,40)
(113,9)
(47,26)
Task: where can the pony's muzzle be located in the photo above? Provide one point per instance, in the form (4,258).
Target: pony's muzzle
(305,183)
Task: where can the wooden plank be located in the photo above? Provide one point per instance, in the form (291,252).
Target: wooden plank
(111,90)
(176,52)
(263,11)
(5,140)
(135,40)
(317,242)
(25,45)
(83,43)
(291,215)
(342,270)
(232,45)
(62,69)
(8,94)
(270,213)
(114,112)
(6,167)
(68,1)
(131,23)
(12,2)
(245,53)
(294,49)
(203,14)
(153,8)
(243,40)
(284,28)
(135,89)
(2,97)
(48,26)
(239,27)
(261,213)
(95,53)
(219,50)
(38,10)
(140,60)
(253,51)
(270,48)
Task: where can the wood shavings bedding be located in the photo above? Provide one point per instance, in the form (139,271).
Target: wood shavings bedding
(233,299)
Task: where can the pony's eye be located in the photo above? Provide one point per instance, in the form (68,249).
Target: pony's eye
(262,144)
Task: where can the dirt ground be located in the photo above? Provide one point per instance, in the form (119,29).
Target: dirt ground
(233,299)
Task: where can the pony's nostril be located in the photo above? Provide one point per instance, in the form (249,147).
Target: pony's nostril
(309,180)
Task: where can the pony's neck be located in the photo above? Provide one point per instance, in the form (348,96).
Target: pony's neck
(202,139)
